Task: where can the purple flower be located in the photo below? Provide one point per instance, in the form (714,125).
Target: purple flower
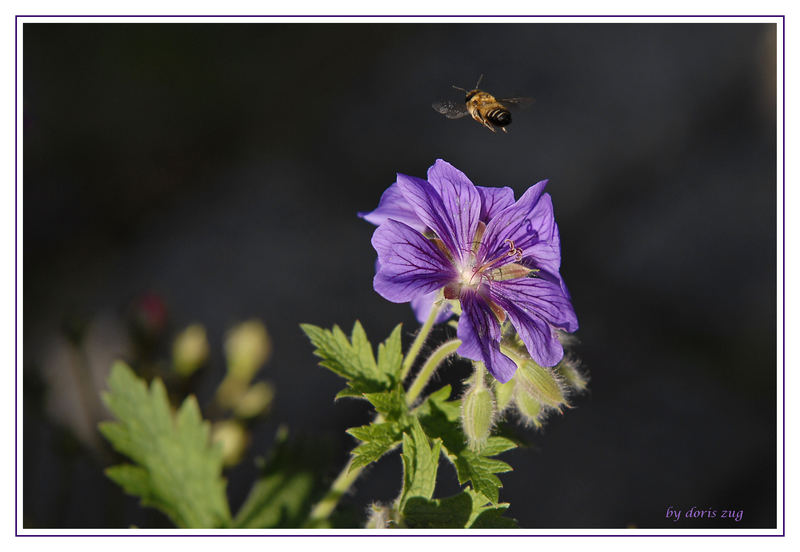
(499,258)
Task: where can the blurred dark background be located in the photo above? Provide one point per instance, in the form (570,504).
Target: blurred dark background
(219,167)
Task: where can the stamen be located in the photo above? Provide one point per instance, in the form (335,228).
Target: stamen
(513,251)
(476,243)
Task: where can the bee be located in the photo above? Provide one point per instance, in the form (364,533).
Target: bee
(491,112)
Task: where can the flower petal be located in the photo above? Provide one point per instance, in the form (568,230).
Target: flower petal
(536,308)
(423,304)
(429,207)
(408,265)
(393,206)
(546,252)
(461,199)
(479,331)
(528,222)
(494,200)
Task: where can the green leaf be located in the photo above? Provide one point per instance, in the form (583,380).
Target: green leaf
(391,404)
(440,419)
(420,464)
(492,518)
(467,509)
(176,470)
(446,513)
(353,358)
(377,439)
(390,354)
(480,470)
(284,493)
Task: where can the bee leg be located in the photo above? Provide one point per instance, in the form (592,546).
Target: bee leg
(504,130)
(488,125)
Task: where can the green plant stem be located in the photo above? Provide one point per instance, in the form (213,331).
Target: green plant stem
(479,374)
(413,351)
(442,352)
(340,486)
(347,476)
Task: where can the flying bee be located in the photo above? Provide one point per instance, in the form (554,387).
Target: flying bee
(491,112)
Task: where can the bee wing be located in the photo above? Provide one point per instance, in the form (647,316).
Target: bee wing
(450,109)
(516,103)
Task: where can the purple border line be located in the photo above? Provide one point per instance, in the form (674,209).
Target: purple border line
(783,224)
(16,272)
(470,535)
(406,16)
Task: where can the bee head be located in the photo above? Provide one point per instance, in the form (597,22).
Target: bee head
(470,94)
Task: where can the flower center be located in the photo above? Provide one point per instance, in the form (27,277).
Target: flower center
(472,275)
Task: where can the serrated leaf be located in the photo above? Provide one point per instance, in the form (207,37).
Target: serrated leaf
(136,481)
(349,392)
(133,479)
(353,358)
(480,470)
(440,419)
(377,439)
(363,348)
(467,509)
(286,488)
(446,513)
(492,518)
(495,445)
(177,469)
(391,404)
(420,464)
(390,354)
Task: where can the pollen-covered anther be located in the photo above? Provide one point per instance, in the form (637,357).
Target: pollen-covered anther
(498,311)
(514,251)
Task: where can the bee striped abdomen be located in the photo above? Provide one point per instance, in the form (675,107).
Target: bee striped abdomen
(499,116)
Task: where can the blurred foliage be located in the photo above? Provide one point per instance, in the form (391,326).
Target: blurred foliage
(175,469)
(290,478)
(177,458)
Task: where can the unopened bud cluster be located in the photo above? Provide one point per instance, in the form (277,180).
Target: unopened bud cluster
(535,391)
(190,350)
(247,348)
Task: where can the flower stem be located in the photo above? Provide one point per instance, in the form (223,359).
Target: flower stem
(442,352)
(479,374)
(413,351)
(325,507)
(347,476)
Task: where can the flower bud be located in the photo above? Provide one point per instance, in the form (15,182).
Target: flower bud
(503,393)
(539,383)
(190,350)
(148,316)
(477,412)
(529,408)
(568,370)
(233,439)
(255,401)
(247,347)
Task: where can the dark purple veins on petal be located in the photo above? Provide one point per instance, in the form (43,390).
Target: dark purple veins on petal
(409,265)
(479,331)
